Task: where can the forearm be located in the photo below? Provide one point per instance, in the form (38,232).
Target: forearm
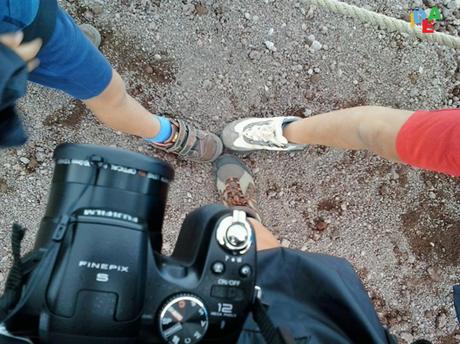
(368,127)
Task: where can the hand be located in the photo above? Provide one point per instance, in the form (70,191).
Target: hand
(26,51)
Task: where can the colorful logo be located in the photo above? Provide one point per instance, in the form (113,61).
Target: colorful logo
(419,17)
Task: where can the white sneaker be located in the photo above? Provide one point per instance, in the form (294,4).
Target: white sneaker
(251,134)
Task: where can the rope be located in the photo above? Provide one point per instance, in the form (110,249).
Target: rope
(386,22)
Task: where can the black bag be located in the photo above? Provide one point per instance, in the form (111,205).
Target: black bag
(316,298)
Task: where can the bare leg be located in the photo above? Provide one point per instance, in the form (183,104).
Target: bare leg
(118,110)
(265,239)
(366,127)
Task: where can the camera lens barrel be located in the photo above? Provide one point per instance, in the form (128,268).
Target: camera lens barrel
(105,178)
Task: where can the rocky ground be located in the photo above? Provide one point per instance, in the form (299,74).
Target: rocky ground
(212,62)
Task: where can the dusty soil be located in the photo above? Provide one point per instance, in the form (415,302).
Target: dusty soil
(207,62)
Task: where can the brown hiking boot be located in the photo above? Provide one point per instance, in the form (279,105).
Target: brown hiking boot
(191,143)
(236,185)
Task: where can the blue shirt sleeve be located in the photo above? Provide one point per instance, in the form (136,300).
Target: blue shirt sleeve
(17,14)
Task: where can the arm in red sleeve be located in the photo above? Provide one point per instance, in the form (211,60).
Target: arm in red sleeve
(431,140)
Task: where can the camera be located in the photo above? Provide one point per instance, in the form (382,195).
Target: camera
(96,274)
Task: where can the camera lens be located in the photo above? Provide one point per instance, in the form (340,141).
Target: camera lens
(96,177)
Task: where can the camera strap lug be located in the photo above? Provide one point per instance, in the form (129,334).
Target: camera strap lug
(61,229)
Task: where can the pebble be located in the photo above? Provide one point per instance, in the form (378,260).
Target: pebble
(435,274)
(297,68)
(247,16)
(315,78)
(432,195)
(96,7)
(310,39)
(270,46)
(407,337)
(255,55)
(271,30)
(157,57)
(441,321)
(24,160)
(316,46)
(89,15)
(188,9)
(307,112)
(207,85)
(148,69)
(285,243)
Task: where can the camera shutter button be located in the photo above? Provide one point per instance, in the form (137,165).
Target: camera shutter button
(237,235)
(234,233)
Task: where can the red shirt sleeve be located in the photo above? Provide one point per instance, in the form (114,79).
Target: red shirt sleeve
(431,140)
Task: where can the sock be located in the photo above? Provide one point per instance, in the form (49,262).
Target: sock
(164,133)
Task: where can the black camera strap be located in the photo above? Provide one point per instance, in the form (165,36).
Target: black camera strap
(269,331)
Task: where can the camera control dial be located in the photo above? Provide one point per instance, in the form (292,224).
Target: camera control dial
(183,320)
(234,233)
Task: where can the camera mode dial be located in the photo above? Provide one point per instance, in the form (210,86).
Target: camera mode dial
(183,320)
(234,233)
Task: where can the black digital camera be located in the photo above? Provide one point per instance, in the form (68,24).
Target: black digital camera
(97,275)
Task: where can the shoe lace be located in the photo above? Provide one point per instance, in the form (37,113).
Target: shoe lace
(233,194)
(263,133)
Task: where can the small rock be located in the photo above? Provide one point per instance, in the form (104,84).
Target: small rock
(310,39)
(285,243)
(3,185)
(96,7)
(270,46)
(297,68)
(441,321)
(435,274)
(307,112)
(320,225)
(148,69)
(247,16)
(24,160)
(201,10)
(89,15)
(316,46)
(316,236)
(315,78)
(255,55)
(157,57)
(32,165)
(188,9)
(407,337)
(432,195)
(207,85)
(189,195)
(270,32)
